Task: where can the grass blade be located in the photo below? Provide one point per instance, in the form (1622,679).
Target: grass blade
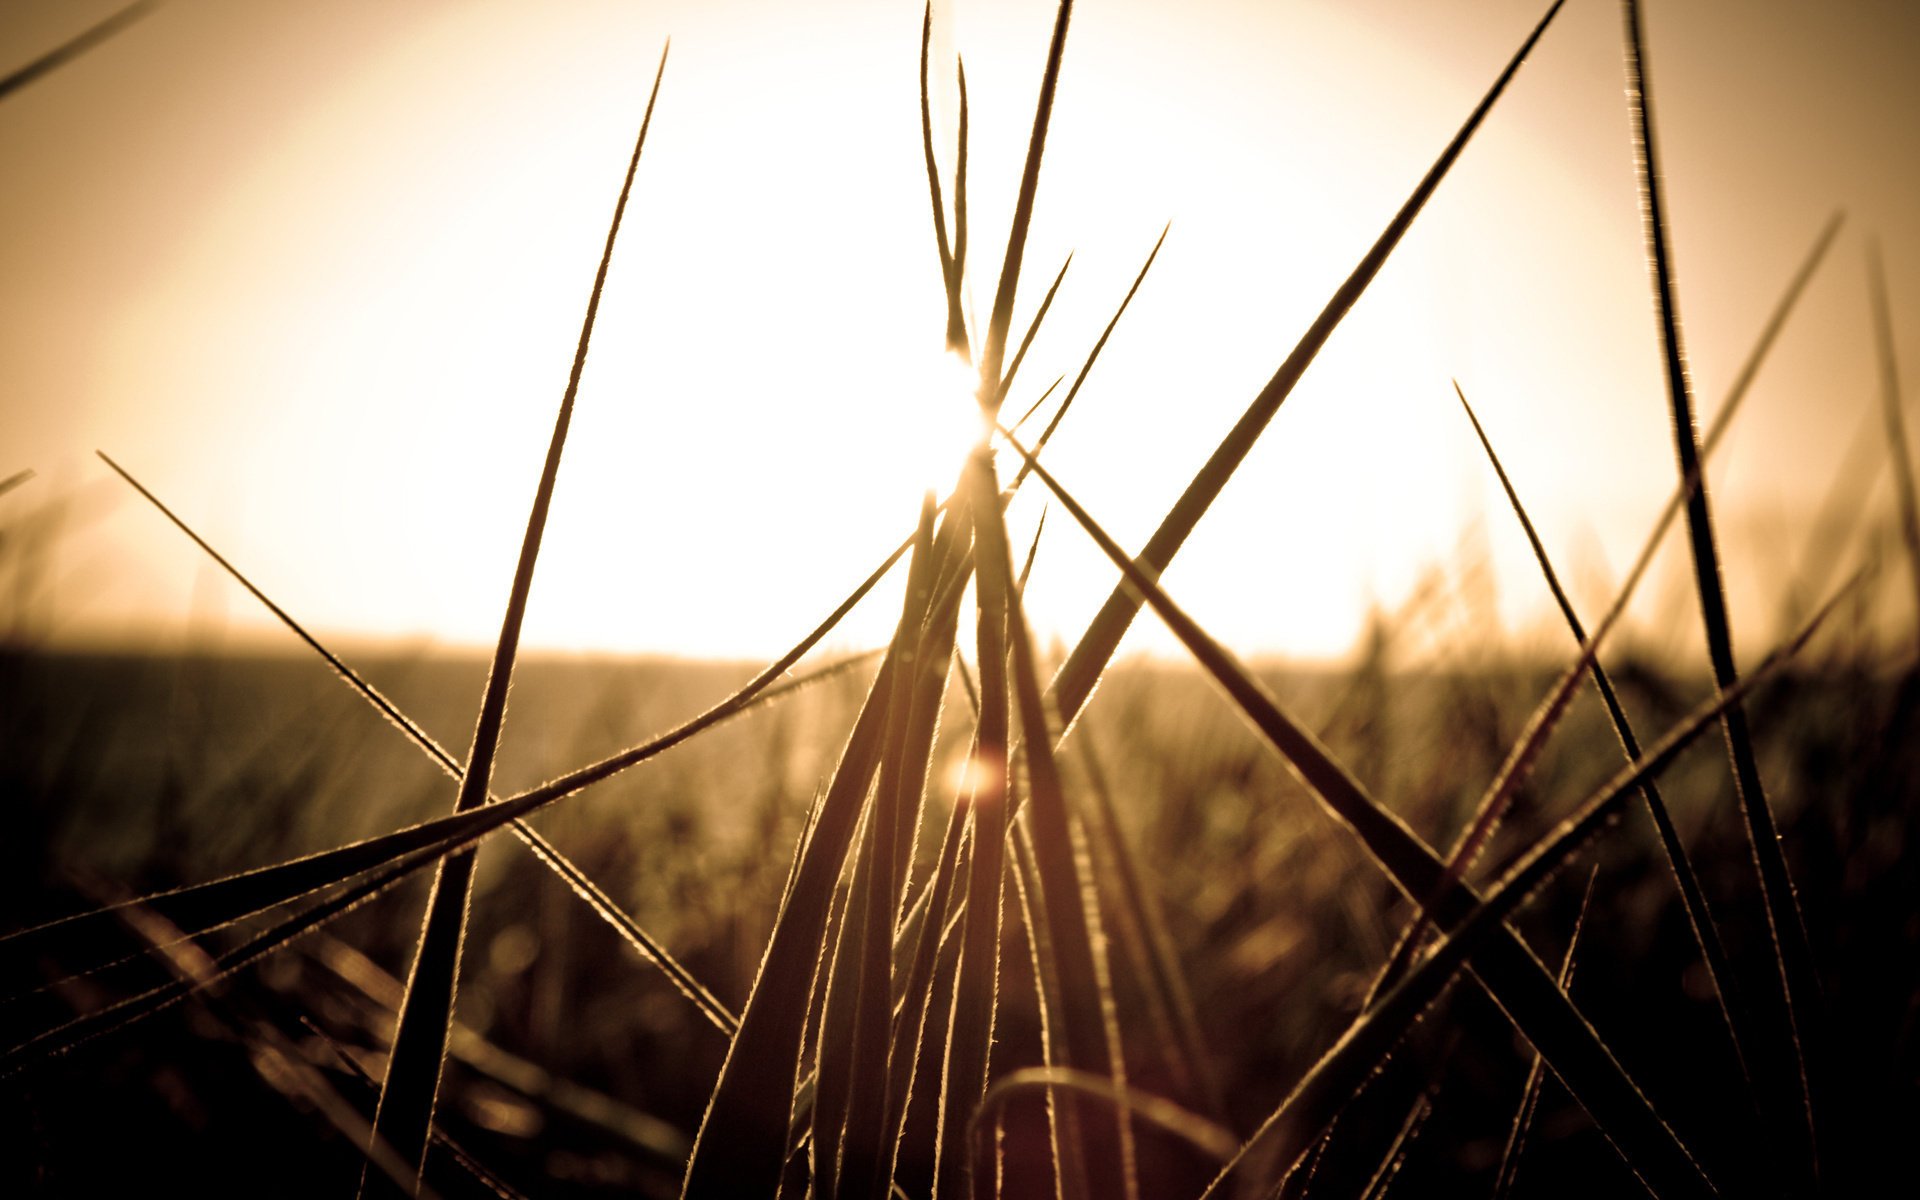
(1706,932)
(950,263)
(1511,973)
(1292,1128)
(603,906)
(1530,1093)
(1792,991)
(993,353)
(1093,356)
(404,1115)
(1077,676)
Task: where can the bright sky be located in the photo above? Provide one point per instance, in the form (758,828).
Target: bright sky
(315,273)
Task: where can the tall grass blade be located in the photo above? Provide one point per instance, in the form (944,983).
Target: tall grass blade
(1792,990)
(970,1021)
(1077,676)
(404,1114)
(1090,1041)
(993,353)
(1511,973)
(74,47)
(16,479)
(737,1151)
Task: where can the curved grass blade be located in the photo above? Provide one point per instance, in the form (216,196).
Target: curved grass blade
(1530,1094)
(1793,988)
(1204,1135)
(582,885)
(1512,975)
(74,47)
(1292,1128)
(1075,680)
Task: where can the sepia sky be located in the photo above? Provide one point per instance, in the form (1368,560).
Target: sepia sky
(315,273)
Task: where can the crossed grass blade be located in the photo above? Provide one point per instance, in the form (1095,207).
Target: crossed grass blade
(1292,1128)
(1511,973)
(1782,1062)
(1076,679)
(577,881)
(1693,899)
(1536,1069)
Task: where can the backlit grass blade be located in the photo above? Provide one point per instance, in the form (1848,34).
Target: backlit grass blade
(1090,1041)
(576,879)
(1396,1154)
(1026,339)
(1536,1073)
(1292,1128)
(1897,451)
(1197,1131)
(1076,678)
(1068,1144)
(1781,1062)
(1511,973)
(1706,932)
(850,1100)
(16,479)
(1093,356)
(993,352)
(404,1115)
(74,47)
(970,1021)
(738,1149)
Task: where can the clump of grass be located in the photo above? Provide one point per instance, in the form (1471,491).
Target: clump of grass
(993,1004)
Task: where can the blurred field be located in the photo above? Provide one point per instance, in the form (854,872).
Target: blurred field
(126,774)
